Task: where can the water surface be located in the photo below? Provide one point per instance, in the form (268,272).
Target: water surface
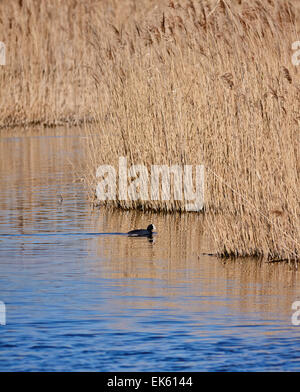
(81,296)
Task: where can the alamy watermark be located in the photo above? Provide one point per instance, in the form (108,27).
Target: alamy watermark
(2,53)
(137,183)
(296,315)
(2,313)
(296,55)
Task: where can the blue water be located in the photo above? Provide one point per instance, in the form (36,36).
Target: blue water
(80,295)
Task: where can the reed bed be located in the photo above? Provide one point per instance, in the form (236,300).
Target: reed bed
(192,82)
(42,75)
(47,78)
(208,83)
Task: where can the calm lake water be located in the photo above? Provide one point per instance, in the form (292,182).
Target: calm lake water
(80,297)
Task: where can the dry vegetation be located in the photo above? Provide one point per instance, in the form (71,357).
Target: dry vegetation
(189,82)
(195,84)
(45,77)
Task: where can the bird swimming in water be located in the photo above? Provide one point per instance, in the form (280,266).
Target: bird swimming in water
(142,232)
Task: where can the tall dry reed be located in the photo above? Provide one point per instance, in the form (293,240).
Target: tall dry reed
(208,83)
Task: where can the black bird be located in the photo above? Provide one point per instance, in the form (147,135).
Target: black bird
(142,232)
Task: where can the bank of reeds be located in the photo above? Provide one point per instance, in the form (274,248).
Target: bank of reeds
(42,78)
(46,77)
(195,83)
(190,82)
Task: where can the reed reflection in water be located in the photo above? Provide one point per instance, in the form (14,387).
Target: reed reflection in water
(81,297)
